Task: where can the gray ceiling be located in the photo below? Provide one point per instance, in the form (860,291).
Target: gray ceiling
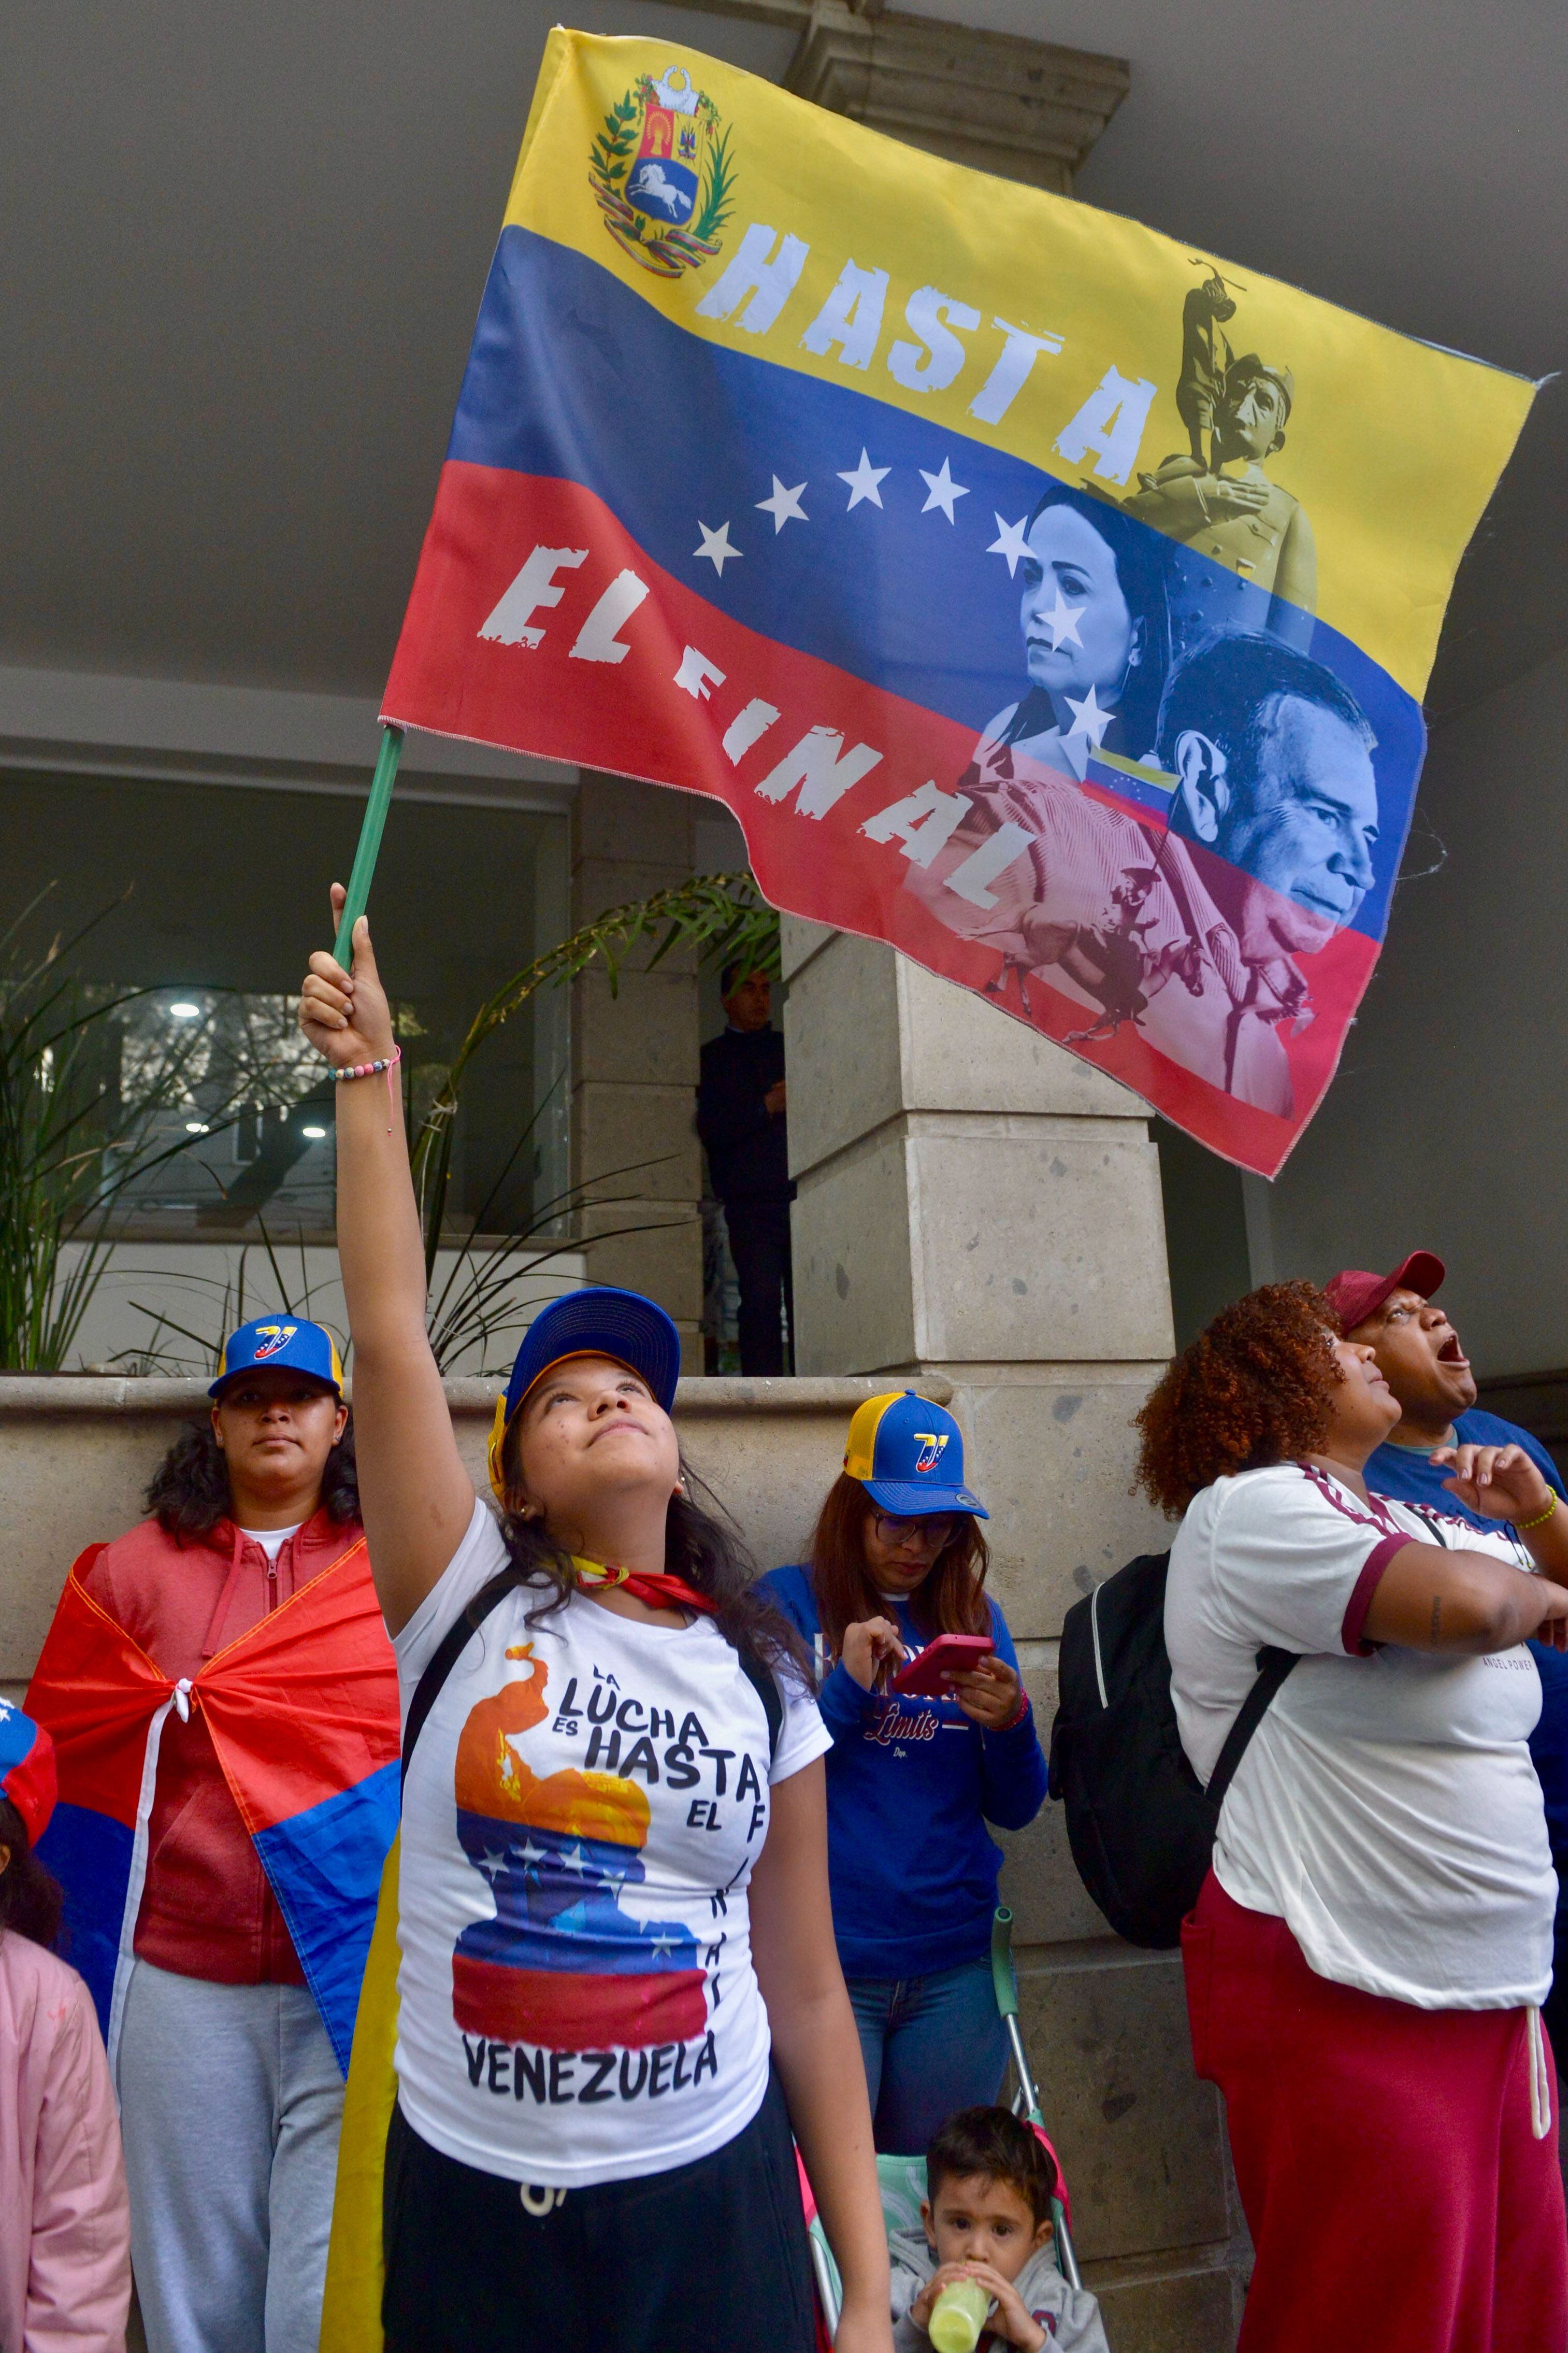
(242,251)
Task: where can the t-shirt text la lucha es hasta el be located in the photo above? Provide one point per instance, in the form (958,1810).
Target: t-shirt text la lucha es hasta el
(583,1811)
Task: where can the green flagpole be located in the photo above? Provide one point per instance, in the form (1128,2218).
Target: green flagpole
(370,835)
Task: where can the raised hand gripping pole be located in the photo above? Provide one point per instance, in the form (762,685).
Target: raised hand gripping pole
(369,847)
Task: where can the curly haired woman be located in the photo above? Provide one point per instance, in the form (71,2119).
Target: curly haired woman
(1366,1960)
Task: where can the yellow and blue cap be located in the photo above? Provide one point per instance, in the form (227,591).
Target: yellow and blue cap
(908,1454)
(597,1322)
(287,1341)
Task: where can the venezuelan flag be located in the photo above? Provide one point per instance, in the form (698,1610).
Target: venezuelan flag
(743,496)
(303,1714)
(561,1965)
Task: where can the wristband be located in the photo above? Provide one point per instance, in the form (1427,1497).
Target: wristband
(1018,1714)
(370,1070)
(1540,1517)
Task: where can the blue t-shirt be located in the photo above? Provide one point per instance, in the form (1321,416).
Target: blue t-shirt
(1407,1473)
(911,1784)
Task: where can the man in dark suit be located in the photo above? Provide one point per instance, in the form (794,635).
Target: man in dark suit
(741,1119)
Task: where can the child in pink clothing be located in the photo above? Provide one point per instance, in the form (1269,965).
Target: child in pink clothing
(65,2221)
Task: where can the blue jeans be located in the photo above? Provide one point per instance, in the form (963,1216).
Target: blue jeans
(931,2045)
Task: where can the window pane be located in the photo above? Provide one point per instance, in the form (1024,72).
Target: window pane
(228,896)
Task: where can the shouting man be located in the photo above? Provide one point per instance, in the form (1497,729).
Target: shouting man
(1420,1356)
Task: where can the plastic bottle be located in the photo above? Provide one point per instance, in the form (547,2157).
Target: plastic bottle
(958,2315)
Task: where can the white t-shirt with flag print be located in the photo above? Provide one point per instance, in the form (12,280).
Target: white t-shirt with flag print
(583,1808)
(1386,1808)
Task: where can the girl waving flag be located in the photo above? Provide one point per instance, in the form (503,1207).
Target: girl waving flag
(618,1992)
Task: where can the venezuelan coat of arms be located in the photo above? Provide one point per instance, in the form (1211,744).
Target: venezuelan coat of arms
(661,173)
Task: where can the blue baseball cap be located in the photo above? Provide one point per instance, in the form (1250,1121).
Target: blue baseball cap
(287,1341)
(598,1322)
(908,1456)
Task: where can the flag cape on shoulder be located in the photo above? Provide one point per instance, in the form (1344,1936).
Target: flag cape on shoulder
(303,1714)
(1041,599)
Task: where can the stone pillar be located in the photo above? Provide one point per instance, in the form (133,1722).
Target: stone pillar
(974,1201)
(1023,109)
(634,1061)
(975,1204)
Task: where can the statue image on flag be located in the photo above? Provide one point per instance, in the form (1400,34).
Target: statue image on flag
(1044,601)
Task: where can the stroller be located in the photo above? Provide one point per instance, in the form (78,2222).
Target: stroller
(902,2179)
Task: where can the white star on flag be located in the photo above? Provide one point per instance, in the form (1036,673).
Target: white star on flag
(1088,718)
(716,545)
(863,482)
(944,491)
(1011,544)
(1062,621)
(784,506)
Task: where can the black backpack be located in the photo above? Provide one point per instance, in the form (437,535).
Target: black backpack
(1140,1824)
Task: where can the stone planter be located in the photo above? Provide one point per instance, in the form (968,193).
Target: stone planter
(1140,2137)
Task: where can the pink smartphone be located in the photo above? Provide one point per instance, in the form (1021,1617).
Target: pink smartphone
(925,1675)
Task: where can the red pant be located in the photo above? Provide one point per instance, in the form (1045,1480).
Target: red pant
(1398,2197)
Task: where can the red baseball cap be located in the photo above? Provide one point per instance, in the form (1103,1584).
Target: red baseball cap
(27,1770)
(1355,1296)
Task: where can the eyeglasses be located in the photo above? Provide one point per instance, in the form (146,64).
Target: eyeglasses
(930,1534)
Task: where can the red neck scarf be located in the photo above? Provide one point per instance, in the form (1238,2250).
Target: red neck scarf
(658,1588)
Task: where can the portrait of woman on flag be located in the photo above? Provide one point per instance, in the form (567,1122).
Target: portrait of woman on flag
(1095,621)
(1037,866)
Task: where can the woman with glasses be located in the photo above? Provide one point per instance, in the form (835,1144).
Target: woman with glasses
(897,1560)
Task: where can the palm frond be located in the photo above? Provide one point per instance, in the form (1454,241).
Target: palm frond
(716,201)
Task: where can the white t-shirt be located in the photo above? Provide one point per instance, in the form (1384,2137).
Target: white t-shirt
(583,1808)
(1386,1808)
(272,1540)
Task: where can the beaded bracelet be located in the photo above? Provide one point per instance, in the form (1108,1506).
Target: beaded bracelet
(370,1070)
(1540,1517)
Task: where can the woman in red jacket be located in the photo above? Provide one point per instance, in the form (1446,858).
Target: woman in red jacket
(231,2096)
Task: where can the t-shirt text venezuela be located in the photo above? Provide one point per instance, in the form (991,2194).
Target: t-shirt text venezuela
(583,1811)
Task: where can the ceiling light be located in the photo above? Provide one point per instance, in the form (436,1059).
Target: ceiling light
(315,1134)
(184,1012)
